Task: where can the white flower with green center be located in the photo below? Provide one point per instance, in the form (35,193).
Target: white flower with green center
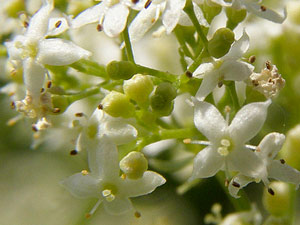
(226,148)
(172,14)
(104,182)
(34,50)
(111,16)
(253,6)
(274,169)
(228,67)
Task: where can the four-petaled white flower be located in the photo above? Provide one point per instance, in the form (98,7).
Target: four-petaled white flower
(34,50)
(228,67)
(253,6)
(172,14)
(110,14)
(275,169)
(226,149)
(105,183)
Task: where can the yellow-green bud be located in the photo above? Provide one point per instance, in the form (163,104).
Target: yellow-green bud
(160,105)
(61,102)
(138,88)
(290,151)
(279,203)
(221,42)
(117,70)
(166,90)
(235,16)
(117,104)
(14,7)
(272,220)
(134,165)
(210,10)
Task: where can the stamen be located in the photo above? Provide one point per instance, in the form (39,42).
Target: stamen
(223,151)
(84,172)
(74,152)
(134,1)
(189,141)
(235,184)
(25,24)
(99,27)
(58,23)
(100,106)
(12,105)
(56,110)
(220,84)
(79,114)
(268,65)
(225,142)
(49,84)
(189,74)
(263,8)
(123,176)
(252,59)
(282,161)
(252,147)
(148,3)
(34,128)
(137,214)
(270,190)
(42,90)
(88,215)
(106,193)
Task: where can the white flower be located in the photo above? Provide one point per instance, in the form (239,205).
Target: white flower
(35,50)
(172,14)
(252,6)
(226,149)
(105,183)
(228,67)
(275,169)
(110,14)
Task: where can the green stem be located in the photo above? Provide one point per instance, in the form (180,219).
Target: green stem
(233,95)
(128,46)
(293,206)
(182,43)
(177,133)
(84,94)
(156,73)
(189,9)
(197,61)
(90,67)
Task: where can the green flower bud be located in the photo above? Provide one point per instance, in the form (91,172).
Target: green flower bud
(210,10)
(272,220)
(290,151)
(77,6)
(161,105)
(134,165)
(235,17)
(117,70)
(279,203)
(14,7)
(61,102)
(117,104)
(166,90)
(221,42)
(138,88)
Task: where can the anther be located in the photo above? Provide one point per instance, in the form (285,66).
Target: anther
(25,24)
(148,3)
(100,106)
(187,141)
(34,128)
(189,74)
(123,176)
(235,184)
(88,215)
(57,24)
(84,172)
(56,110)
(270,190)
(134,1)
(227,109)
(268,65)
(252,59)
(74,152)
(137,214)
(220,84)
(258,149)
(49,84)
(99,27)
(263,8)
(42,90)
(226,182)
(282,161)
(12,105)
(80,114)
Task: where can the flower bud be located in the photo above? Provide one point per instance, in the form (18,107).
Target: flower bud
(210,10)
(14,7)
(60,102)
(160,105)
(290,151)
(117,70)
(221,42)
(235,16)
(279,203)
(134,165)
(138,88)
(166,90)
(77,6)
(117,104)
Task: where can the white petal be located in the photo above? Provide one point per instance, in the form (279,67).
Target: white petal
(236,70)
(103,158)
(248,121)
(267,14)
(209,82)
(38,24)
(199,14)
(115,20)
(118,206)
(145,185)
(270,145)
(82,186)
(240,88)
(284,172)
(59,52)
(172,14)
(246,162)
(15,53)
(209,121)
(53,30)
(221,2)
(238,48)
(90,15)
(207,163)
(218,93)
(144,20)
(202,69)
(119,131)
(34,76)
(242,180)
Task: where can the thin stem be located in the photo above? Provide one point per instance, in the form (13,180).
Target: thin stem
(128,46)
(182,43)
(84,94)
(177,133)
(197,62)
(156,73)
(233,95)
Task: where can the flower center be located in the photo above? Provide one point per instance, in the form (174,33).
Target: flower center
(28,50)
(226,147)
(109,192)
